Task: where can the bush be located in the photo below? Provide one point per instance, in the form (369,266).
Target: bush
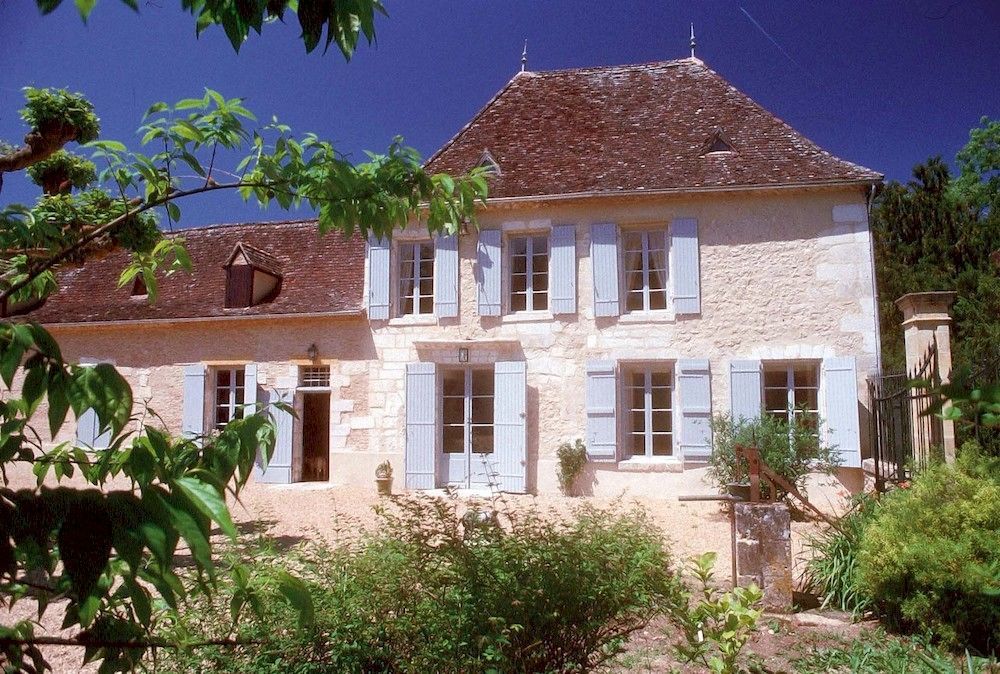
(440,591)
(832,571)
(930,559)
(791,449)
(572,461)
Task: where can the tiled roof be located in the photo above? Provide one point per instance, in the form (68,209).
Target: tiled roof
(258,258)
(637,127)
(321,274)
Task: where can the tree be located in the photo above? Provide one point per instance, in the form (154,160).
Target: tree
(111,553)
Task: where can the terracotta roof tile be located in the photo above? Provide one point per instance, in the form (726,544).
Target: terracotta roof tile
(320,274)
(637,127)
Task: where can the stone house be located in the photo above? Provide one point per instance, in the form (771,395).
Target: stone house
(657,248)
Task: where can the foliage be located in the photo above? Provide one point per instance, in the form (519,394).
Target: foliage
(876,652)
(717,627)
(974,408)
(434,591)
(345,21)
(64,166)
(59,108)
(792,449)
(832,570)
(383,471)
(937,233)
(572,461)
(930,559)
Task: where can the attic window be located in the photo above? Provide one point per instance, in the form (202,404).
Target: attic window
(486,161)
(139,288)
(717,143)
(253,277)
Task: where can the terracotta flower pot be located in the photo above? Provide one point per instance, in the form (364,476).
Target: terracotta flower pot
(384,485)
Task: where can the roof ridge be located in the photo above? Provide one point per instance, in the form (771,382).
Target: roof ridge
(233,225)
(670,63)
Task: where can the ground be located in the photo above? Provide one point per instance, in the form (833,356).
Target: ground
(292,513)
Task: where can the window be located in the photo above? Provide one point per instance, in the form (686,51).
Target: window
(139,288)
(467,411)
(228,395)
(239,286)
(416,278)
(651,425)
(529,273)
(317,376)
(645,270)
(792,389)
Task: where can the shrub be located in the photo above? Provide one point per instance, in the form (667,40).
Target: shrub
(832,571)
(438,591)
(930,559)
(791,449)
(718,625)
(572,461)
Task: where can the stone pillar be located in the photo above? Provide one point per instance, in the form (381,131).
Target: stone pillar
(926,320)
(764,552)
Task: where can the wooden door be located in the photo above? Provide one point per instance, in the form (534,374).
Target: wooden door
(316,436)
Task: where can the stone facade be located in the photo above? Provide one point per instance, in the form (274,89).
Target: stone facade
(785,275)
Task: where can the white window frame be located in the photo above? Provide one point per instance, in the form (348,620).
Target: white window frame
(789,387)
(645,268)
(414,247)
(233,407)
(647,371)
(531,295)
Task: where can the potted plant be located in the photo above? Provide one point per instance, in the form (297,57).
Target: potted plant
(383,478)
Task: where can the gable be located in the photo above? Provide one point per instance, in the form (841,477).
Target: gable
(641,127)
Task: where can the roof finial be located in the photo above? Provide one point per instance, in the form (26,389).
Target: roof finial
(524,56)
(692,41)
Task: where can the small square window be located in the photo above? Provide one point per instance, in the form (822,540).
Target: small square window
(314,376)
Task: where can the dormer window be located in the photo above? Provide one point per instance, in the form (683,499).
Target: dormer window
(486,161)
(253,276)
(717,143)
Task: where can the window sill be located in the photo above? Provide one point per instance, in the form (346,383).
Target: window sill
(417,319)
(666,464)
(647,317)
(527,317)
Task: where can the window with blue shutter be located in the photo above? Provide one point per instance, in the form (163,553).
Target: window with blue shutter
(193,410)
(745,388)
(421,426)
(602,400)
(840,387)
(279,469)
(86,429)
(685,269)
(446,276)
(509,416)
(378,279)
(694,388)
(489,272)
(562,270)
(604,260)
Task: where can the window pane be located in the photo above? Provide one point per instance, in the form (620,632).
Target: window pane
(633,261)
(239,377)
(661,398)
(663,444)
(638,421)
(482,410)
(482,439)
(638,444)
(541,301)
(662,422)
(657,240)
(657,299)
(775,377)
(540,263)
(453,441)
(660,379)
(453,411)
(540,245)
(222,378)
(406,253)
(427,287)
(454,383)
(518,302)
(427,269)
(632,241)
(638,380)
(780,416)
(540,282)
(807,398)
(427,305)
(633,301)
(518,245)
(482,382)
(518,264)
(518,282)
(405,270)
(806,375)
(427,251)
(406,306)
(775,399)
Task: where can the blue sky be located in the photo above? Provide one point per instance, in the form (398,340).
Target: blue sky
(885,84)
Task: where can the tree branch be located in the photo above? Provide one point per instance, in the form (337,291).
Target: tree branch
(99,643)
(39,144)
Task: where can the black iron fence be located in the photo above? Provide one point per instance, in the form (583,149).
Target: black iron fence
(905,436)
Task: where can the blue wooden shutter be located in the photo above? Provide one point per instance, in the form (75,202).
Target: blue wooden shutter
(279,469)
(840,386)
(685,269)
(562,270)
(86,429)
(488,272)
(604,260)
(378,279)
(421,425)
(193,410)
(446,276)
(509,388)
(745,390)
(602,427)
(249,388)
(694,385)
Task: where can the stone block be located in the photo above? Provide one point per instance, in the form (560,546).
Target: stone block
(764,551)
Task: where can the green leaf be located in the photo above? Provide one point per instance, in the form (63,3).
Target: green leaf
(297,594)
(208,500)
(85,7)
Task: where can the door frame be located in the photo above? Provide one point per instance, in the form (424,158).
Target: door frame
(443,459)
